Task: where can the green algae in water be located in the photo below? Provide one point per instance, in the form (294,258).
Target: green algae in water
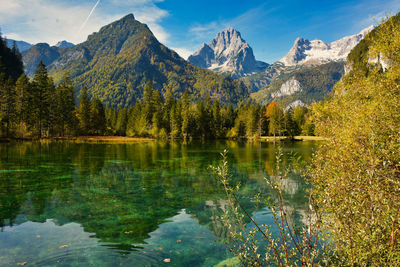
(129,205)
(11,171)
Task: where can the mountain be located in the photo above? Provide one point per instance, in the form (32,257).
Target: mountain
(116,62)
(22,46)
(39,52)
(317,52)
(312,59)
(228,53)
(302,86)
(42,52)
(64,44)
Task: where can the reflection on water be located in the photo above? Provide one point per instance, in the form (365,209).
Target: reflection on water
(122,204)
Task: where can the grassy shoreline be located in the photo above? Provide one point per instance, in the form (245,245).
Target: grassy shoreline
(125,139)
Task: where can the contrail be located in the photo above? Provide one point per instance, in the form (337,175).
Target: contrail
(90,14)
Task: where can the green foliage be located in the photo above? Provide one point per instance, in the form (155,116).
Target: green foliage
(65,108)
(295,245)
(97,118)
(42,101)
(275,116)
(356,171)
(84,112)
(290,125)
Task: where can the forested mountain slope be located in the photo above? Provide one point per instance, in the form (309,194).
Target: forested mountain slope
(115,63)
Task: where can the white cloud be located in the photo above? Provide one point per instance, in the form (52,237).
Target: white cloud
(152,16)
(51,21)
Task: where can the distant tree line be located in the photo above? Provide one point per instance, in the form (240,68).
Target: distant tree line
(38,108)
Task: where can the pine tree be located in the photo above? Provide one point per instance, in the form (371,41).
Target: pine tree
(148,103)
(84,112)
(185,114)
(176,120)
(122,121)
(111,121)
(216,119)
(65,106)
(23,104)
(274,115)
(166,110)
(7,104)
(98,117)
(155,111)
(299,116)
(42,99)
(290,125)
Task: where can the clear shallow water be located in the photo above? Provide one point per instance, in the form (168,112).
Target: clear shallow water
(129,204)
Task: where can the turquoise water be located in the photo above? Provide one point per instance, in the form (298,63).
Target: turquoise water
(144,204)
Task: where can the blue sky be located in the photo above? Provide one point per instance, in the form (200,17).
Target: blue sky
(269,26)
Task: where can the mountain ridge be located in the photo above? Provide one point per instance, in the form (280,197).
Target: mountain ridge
(317,52)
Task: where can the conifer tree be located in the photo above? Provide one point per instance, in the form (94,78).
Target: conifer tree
(23,103)
(216,119)
(84,112)
(299,116)
(185,114)
(65,106)
(122,120)
(290,124)
(98,117)
(274,115)
(176,120)
(42,99)
(7,104)
(166,110)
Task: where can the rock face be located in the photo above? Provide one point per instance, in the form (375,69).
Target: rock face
(380,60)
(317,52)
(288,88)
(228,52)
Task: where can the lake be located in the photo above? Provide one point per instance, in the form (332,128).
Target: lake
(141,204)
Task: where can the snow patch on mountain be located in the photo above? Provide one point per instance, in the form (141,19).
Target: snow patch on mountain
(319,52)
(228,52)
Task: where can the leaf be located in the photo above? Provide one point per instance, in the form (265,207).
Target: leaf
(22,263)
(63,246)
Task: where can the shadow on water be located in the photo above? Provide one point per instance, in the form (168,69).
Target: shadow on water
(123,203)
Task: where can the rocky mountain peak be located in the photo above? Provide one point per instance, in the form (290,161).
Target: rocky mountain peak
(228,52)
